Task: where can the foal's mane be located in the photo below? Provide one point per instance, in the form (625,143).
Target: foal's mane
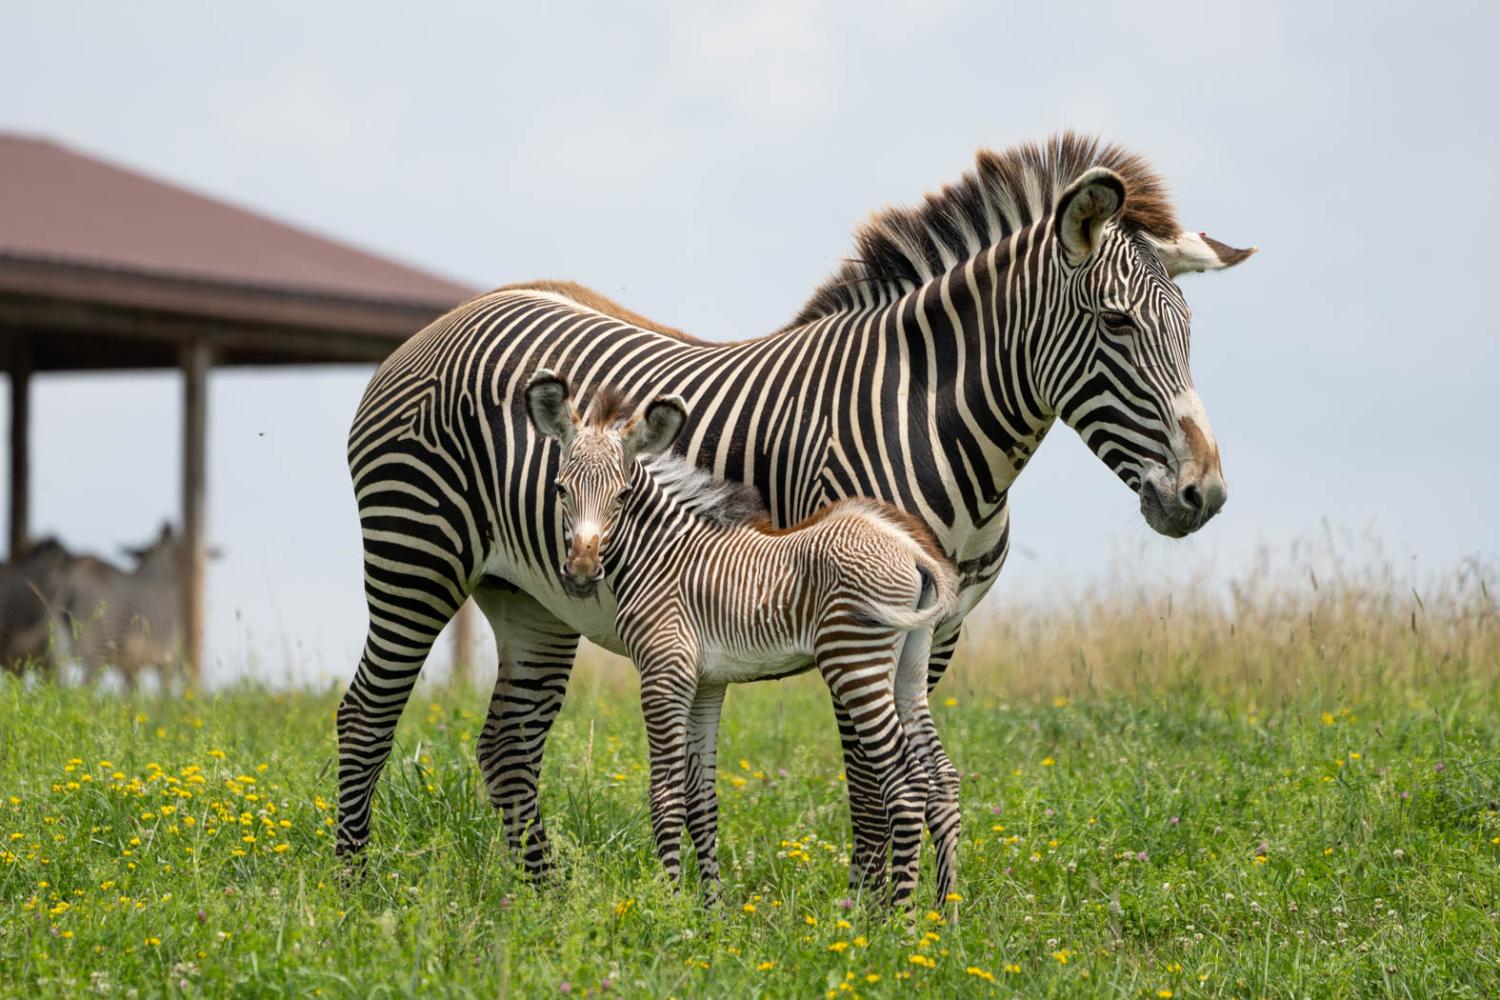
(899,249)
(723,502)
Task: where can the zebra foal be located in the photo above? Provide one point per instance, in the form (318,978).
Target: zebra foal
(707,594)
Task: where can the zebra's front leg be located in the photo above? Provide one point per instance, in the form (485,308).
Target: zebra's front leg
(872,832)
(536,654)
(702,776)
(913,675)
(942,808)
(668,688)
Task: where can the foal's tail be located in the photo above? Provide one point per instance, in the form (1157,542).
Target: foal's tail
(937,599)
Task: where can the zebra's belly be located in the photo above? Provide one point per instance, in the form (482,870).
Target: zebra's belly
(737,666)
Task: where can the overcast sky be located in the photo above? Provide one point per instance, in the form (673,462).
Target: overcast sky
(705,163)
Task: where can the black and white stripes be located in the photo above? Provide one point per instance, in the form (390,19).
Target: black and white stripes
(927,388)
(708,593)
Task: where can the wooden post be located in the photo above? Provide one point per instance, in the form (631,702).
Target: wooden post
(195,364)
(20,447)
(463,643)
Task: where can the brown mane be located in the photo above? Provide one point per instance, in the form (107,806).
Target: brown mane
(899,249)
(590,299)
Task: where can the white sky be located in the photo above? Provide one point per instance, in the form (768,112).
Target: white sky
(705,164)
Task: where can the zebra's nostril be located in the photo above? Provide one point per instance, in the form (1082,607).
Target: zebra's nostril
(1192,496)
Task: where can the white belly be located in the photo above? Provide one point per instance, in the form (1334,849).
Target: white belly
(722,666)
(594,619)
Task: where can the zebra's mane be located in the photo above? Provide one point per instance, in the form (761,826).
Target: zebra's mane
(724,503)
(899,249)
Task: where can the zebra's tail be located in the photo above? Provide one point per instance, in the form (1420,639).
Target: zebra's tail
(938,597)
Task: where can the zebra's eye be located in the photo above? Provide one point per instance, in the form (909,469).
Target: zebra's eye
(1116,321)
(562,489)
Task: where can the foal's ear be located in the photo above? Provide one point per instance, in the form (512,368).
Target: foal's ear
(657,428)
(548,407)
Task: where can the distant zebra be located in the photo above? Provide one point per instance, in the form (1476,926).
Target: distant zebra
(708,594)
(923,374)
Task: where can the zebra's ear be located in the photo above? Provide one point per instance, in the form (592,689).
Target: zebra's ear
(1198,252)
(657,428)
(1092,200)
(548,407)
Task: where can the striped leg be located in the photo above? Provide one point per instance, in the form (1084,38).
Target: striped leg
(872,832)
(942,798)
(702,774)
(536,657)
(944,645)
(668,689)
(395,649)
(913,675)
(858,665)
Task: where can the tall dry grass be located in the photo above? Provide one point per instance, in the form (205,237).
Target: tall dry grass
(1313,619)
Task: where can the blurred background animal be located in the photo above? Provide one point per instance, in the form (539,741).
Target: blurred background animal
(130,620)
(60,608)
(30,608)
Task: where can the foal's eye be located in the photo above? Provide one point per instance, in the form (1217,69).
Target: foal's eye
(562,489)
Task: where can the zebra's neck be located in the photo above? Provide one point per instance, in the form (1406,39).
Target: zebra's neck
(948,371)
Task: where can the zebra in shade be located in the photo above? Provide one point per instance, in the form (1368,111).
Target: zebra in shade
(923,373)
(707,594)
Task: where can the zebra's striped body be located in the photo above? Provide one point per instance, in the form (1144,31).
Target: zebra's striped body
(923,376)
(707,597)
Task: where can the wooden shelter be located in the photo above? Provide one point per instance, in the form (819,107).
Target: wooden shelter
(102,268)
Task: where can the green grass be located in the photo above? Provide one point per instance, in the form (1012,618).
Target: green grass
(1314,823)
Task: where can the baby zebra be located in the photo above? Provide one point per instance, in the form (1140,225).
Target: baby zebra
(707,593)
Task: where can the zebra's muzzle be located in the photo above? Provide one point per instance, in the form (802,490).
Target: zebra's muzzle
(1178,507)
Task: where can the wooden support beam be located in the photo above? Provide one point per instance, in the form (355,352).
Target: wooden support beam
(195,365)
(20,447)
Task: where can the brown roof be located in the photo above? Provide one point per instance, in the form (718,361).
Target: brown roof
(58,205)
(77,230)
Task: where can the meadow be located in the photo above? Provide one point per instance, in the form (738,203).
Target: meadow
(1284,787)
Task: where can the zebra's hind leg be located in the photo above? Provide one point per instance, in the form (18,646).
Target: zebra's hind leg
(872,832)
(702,775)
(858,665)
(395,649)
(536,658)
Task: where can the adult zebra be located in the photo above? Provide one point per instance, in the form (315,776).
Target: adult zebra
(923,373)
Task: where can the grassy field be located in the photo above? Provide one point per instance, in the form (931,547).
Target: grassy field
(1288,792)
